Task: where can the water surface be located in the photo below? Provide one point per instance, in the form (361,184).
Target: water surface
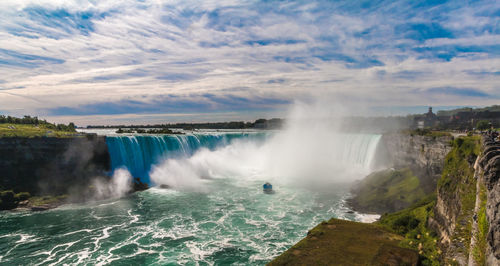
(232,222)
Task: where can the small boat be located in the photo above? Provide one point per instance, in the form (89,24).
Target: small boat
(268,188)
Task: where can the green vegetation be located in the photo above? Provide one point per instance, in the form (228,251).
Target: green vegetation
(9,200)
(341,242)
(47,200)
(29,131)
(21,196)
(387,191)
(482,224)
(28,120)
(458,162)
(412,224)
(458,185)
(33,127)
(483,125)
(493,108)
(273,123)
(149,131)
(428,132)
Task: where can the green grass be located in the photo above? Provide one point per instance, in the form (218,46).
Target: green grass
(387,191)
(428,132)
(341,242)
(457,184)
(412,224)
(458,161)
(479,250)
(30,131)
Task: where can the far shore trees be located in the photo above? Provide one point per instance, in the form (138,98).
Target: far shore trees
(29,120)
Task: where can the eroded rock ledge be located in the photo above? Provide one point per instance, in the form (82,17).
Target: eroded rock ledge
(490,166)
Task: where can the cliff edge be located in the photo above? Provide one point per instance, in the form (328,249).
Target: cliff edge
(51,165)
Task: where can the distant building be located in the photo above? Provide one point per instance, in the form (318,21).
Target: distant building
(428,119)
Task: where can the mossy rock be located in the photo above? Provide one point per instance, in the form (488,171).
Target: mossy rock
(21,196)
(387,191)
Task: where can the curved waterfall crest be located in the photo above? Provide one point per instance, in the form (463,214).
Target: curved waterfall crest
(140,153)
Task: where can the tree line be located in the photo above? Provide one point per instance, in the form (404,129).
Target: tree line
(34,120)
(259,123)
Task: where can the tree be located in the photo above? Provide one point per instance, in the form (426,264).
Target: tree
(71,126)
(483,125)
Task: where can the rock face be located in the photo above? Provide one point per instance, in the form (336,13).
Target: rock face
(51,165)
(490,164)
(424,155)
(417,163)
(470,171)
(456,197)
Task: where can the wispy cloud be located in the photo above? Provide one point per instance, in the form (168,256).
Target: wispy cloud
(151,56)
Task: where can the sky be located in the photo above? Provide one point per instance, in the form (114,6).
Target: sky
(153,61)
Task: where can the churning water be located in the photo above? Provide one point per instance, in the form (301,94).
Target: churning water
(215,212)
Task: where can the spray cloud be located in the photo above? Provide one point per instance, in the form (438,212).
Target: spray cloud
(311,149)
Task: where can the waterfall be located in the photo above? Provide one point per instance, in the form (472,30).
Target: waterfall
(138,153)
(279,155)
(359,149)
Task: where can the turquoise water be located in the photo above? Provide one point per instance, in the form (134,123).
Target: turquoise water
(138,153)
(232,222)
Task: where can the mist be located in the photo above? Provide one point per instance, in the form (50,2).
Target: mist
(311,150)
(119,185)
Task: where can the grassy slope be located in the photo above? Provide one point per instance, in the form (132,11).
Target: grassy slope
(458,179)
(21,130)
(412,224)
(483,227)
(387,191)
(341,242)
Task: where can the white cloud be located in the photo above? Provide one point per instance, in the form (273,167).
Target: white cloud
(144,50)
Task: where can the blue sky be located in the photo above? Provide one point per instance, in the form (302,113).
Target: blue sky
(114,61)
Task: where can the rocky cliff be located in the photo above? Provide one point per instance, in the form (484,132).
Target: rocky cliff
(424,155)
(456,195)
(490,168)
(416,164)
(466,214)
(51,165)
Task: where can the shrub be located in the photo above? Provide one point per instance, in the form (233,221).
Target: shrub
(483,125)
(405,223)
(22,196)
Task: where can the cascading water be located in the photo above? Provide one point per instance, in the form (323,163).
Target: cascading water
(340,159)
(138,153)
(359,149)
(232,222)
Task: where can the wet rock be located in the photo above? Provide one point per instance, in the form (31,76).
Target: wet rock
(41,208)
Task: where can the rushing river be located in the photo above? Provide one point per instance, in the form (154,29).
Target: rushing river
(234,223)
(215,213)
